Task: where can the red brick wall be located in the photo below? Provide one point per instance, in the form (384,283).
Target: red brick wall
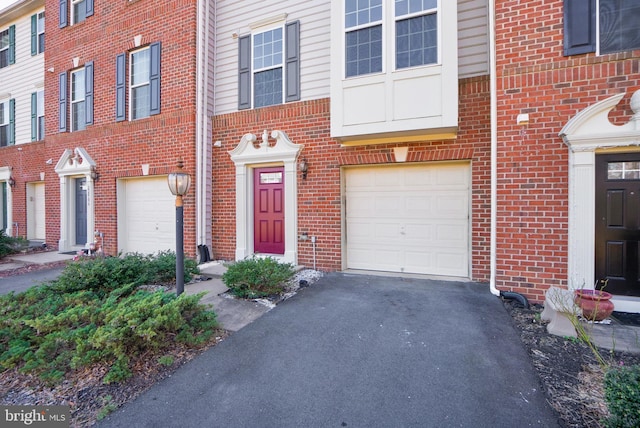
(534,77)
(120,148)
(319,196)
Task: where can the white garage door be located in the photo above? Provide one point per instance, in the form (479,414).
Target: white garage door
(412,219)
(147,216)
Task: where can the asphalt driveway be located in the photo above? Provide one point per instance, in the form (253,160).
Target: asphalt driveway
(358,351)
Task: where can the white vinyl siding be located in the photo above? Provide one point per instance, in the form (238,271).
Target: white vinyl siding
(473,38)
(237,17)
(24,77)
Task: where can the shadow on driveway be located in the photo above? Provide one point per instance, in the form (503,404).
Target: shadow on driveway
(358,351)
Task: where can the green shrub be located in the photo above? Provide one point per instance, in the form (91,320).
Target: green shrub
(88,315)
(104,274)
(257,277)
(10,245)
(622,392)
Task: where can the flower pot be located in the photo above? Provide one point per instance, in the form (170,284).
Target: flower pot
(596,305)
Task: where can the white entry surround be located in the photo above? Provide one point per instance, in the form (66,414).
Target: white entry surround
(587,133)
(279,151)
(74,164)
(5,175)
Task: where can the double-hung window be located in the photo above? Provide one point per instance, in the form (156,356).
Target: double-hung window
(7,122)
(368,25)
(78,10)
(416,32)
(78,91)
(37,116)
(143,88)
(363,37)
(269,67)
(601,26)
(37,33)
(76,95)
(8,46)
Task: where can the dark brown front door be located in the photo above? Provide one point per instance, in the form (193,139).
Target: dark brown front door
(618,223)
(268,213)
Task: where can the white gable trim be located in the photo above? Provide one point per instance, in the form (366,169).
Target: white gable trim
(586,133)
(249,155)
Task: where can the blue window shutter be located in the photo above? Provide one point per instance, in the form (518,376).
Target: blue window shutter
(121,113)
(34,34)
(89,5)
(34,116)
(244,72)
(154,79)
(292,65)
(88,93)
(12,121)
(63,14)
(579,26)
(12,44)
(62,102)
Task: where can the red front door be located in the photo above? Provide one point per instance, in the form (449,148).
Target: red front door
(268,212)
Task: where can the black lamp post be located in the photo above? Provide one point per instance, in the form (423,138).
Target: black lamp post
(179,185)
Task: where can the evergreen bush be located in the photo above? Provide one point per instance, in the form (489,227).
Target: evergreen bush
(257,277)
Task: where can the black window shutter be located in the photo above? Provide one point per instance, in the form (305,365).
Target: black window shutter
(89,5)
(12,121)
(244,72)
(121,113)
(154,78)
(63,14)
(12,44)
(579,26)
(62,102)
(34,116)
(88,93)
(292,65)
(34,34)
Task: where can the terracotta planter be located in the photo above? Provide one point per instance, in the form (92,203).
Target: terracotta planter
(596,305)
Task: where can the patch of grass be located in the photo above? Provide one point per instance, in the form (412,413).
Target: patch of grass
(166,360)
(95,313)
(257,277)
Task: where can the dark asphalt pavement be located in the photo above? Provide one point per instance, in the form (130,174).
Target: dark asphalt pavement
(22,282)
(358,351)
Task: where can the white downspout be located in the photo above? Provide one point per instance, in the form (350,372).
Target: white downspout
(494,146)
(202,73)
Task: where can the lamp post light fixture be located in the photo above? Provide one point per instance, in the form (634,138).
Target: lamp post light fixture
(179,183)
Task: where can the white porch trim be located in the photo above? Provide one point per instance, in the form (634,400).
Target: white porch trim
(590,132)
(73,164)
(249,155)
(5,175)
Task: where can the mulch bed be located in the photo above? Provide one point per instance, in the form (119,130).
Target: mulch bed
(569,372)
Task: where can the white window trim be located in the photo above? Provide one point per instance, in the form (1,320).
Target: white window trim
(346,30)
(39,114)
(140,85)
(73,14)
(38,32)
(598,53)
(2,50)
(76,101)
(395,18)
(254,33)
